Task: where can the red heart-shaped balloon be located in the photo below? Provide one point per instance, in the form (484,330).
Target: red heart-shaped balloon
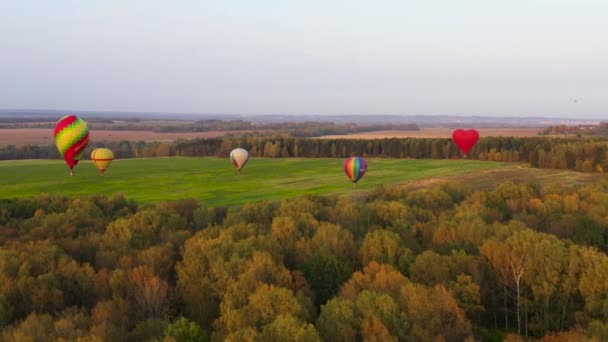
(465,139)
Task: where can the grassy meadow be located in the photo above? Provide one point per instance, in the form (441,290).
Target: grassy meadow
(214,181)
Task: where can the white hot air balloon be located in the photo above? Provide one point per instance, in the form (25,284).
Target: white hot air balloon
(239,158)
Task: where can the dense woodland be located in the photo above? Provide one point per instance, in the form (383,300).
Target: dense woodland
(578,130)
(445,263)
(580,154)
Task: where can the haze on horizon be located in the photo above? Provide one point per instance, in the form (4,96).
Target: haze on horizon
(469,57)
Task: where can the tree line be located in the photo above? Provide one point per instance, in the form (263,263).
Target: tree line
(584,154)
(578,130)
(441,263)
(295,129)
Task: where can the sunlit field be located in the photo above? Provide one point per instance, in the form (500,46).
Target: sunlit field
(214,181)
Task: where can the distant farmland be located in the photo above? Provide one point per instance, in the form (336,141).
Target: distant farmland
(37,136)
(214,181)
(438,133)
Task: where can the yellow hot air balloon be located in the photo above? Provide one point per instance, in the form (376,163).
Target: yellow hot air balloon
(102,158)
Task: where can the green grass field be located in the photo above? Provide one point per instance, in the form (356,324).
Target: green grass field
(214,181)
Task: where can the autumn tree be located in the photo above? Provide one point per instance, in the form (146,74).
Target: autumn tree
(383,246)
(380,303)
(184,330)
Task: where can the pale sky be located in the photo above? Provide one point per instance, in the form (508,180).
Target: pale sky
(454,57)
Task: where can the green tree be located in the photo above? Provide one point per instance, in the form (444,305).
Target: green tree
(338,320)
(467,294)
(184,330)
(383,246)
(6,311)
(326,272)
(288,328)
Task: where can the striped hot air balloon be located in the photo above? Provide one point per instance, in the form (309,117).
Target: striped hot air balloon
(355,168)
(102,158)
(71,137)
(239,158)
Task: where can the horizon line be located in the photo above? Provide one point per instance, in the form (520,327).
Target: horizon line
(299,114)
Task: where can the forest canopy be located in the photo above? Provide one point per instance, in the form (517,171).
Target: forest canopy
(446,262)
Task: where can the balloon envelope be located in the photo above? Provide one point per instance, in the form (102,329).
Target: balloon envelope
(239,157)
(102,158)
(71,137)
(355,168)
(465,139)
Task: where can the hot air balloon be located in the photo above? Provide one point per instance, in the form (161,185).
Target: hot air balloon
(465,139)
(102,158)
(239,158)
(71,137)
(355,168)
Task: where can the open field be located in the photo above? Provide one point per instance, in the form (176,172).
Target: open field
(438,133)
(214,181)
(35,136)
(488,179)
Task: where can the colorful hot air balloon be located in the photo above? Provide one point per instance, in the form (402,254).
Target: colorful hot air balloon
(239,158)
(465,139)
(71,137)
(102,158)
(355,168)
